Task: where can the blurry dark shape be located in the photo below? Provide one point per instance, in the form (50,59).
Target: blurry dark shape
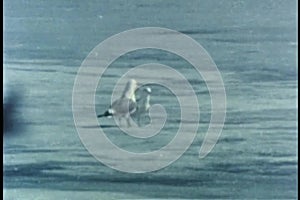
(11,117)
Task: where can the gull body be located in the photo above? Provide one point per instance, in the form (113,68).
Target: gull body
(125,105)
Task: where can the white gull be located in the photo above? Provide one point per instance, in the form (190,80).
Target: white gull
(125,105)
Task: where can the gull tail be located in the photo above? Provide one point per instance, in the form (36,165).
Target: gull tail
(106,114)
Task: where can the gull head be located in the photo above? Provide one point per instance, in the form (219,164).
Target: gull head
(145,93)
(147,90)
(129,90)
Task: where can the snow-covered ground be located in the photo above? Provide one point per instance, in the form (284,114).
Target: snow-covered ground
(254,48)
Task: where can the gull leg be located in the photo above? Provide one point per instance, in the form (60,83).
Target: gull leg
(119,121)
(139,120)
(128,122)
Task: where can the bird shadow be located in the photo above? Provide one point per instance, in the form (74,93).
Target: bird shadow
(100,126)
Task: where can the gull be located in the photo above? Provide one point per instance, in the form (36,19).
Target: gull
(143,104)
(125,105)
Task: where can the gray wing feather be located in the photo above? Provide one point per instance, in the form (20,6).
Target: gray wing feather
(123,106)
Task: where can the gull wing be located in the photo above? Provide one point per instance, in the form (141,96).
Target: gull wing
(123,106)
